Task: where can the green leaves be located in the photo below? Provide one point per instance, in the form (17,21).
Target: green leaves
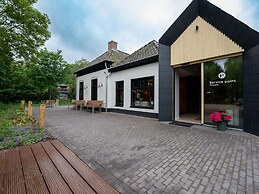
(23,29)
(17,128)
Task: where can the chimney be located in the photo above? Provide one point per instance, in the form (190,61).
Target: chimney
(112,45)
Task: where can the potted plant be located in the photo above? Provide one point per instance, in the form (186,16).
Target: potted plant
(221,119)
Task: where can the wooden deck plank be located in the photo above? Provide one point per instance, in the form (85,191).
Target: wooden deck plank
(33,178)
(2,170)
(74,180)
(52,177)
(96,182)
(14,180)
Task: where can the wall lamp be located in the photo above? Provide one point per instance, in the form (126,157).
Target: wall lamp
(100,85)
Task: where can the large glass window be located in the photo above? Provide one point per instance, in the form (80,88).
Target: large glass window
(119,93)
(94,89)
(223,87)
(142,92)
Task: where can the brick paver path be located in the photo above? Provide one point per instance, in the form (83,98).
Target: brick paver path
(140,155)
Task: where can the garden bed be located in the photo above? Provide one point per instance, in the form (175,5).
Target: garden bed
(18,129)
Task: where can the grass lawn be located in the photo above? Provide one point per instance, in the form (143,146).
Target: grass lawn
(17,128)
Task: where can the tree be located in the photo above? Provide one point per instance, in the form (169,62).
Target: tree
(23,29)
(49,70)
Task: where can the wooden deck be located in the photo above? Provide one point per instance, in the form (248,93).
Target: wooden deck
(48,167)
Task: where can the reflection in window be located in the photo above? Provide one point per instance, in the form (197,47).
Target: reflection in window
(142,92)
(119,93)
(223,86)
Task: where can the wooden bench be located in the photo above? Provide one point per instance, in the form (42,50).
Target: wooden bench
(50,103)
(94,104)
(77,104)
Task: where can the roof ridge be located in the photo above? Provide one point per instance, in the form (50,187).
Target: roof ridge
(140,54)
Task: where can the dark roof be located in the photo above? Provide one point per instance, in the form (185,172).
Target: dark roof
(110,56)
(236,30)
(144,55)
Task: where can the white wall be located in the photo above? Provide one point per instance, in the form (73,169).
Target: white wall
(101,76)
(126,76)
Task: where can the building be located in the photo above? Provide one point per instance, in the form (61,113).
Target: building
(125,83)
(62,91)
(209,61)
(91,80)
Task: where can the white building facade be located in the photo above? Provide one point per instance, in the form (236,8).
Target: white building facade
(127,86)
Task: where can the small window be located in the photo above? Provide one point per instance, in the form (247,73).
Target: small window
(119,93)
(142,93)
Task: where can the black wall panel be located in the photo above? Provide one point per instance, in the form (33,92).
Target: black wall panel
(165,84)
(251,91)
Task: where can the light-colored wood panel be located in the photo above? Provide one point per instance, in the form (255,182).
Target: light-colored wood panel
(201,41)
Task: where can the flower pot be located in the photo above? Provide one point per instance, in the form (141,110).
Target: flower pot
(221,126)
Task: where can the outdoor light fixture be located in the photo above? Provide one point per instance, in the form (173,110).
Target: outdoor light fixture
(197,27)
(100,85)
(85,87)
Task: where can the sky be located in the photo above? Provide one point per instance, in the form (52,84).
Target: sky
(83,28)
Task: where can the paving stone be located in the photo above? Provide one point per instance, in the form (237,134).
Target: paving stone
(141,155)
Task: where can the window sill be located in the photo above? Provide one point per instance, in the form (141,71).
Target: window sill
(143,107)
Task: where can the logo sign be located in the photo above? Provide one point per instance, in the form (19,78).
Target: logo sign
(221,75)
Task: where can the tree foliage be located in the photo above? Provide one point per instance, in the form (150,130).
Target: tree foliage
(49,70)
(36,80)
(23,29)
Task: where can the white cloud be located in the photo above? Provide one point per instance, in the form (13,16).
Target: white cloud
(70,55)
(131,23)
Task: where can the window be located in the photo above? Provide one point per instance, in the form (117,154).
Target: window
(119,93)
(94,89)
(223,85)
(142,92)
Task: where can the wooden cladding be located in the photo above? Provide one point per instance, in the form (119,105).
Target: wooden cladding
(201,41)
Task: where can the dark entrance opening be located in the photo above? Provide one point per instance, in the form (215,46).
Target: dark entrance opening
(81,90)
(94,89)
(188,94)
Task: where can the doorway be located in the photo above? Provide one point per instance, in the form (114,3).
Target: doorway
(94,89)
(188,94)
(81,90)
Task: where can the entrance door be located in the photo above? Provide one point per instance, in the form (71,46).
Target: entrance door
(188,94)
(94,89)
(81,90)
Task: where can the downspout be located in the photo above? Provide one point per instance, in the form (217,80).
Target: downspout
(106,87)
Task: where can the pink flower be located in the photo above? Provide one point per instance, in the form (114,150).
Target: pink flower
(227,118)
(220,117)
(212,117)
(217,117)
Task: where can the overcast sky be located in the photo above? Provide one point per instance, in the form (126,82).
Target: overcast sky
(83,28)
